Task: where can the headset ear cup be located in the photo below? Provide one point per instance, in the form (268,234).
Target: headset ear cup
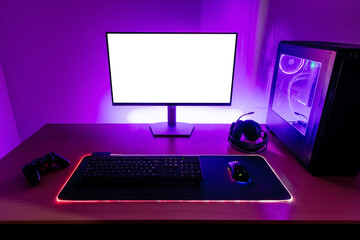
(237,131)
(231,132)
(232,127)
(251,130)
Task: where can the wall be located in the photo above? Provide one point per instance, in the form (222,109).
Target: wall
(54,57)
(55,60)
(9,137)
(247,18)
(306,20)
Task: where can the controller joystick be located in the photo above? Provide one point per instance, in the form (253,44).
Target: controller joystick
(39,166)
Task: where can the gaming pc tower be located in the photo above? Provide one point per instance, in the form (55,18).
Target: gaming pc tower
(315,105)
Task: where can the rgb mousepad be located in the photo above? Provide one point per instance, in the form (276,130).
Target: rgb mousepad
(217,185)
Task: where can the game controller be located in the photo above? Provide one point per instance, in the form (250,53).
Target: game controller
(39,166)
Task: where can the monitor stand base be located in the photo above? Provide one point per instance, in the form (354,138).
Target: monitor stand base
(179,129)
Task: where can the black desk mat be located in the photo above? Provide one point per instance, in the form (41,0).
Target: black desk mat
(217,185)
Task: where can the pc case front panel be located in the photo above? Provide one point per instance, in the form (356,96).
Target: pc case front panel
(298,92)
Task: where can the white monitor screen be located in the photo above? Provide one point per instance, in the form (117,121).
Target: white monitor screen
(171,68)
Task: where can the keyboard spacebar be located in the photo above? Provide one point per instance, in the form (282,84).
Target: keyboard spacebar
(120,177)
(126,178)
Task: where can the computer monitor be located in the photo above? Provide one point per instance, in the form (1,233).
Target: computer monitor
(171,69)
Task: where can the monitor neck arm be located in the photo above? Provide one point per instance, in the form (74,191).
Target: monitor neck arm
(171,115)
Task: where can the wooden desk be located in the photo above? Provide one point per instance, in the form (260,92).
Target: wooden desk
(316,199)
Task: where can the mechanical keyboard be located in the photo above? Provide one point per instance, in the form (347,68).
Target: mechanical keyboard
(142,169)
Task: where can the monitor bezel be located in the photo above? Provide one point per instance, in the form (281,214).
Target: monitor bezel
(172,103)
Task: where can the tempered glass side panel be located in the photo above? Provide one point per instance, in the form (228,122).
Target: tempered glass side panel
(298,92)
(295,88)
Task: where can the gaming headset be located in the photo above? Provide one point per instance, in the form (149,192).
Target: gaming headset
(251,131)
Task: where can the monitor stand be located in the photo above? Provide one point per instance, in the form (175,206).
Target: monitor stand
(171,127)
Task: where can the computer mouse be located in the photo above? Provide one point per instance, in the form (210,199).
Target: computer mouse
(238,172)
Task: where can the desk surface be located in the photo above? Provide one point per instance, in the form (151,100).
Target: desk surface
(315,199)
